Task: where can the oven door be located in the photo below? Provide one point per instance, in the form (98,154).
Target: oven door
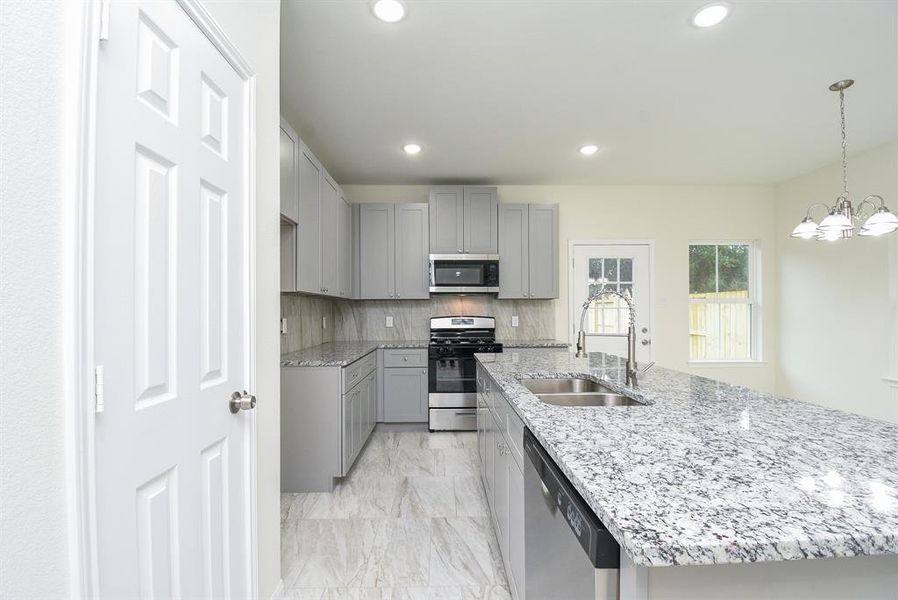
(452,381)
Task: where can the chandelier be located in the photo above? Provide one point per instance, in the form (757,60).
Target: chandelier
(842,218)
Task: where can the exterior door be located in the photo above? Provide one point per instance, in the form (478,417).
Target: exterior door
(170,311)
(620,267)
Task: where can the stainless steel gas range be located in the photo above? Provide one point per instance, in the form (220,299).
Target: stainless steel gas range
(452,381)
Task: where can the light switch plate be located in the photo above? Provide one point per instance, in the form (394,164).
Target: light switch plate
(389,321)
(283,326)
(514,321)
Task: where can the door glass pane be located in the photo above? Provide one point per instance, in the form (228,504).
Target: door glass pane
(595,269)
(610,269)
(626,269)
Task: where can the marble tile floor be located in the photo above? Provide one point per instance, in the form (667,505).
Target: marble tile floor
(409,522)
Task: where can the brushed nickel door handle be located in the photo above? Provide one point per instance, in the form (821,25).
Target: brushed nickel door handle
(242,401)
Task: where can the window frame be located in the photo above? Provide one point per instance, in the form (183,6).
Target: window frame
(753,300)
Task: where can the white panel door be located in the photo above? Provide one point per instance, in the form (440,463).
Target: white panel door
(620,267)
(170,243)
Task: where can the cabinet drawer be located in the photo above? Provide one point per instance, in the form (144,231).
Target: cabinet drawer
(409,357)
(355,372)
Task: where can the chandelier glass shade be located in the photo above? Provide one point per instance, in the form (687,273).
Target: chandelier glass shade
(842,219)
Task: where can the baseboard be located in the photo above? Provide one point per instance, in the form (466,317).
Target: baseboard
(278,593)
(400,427)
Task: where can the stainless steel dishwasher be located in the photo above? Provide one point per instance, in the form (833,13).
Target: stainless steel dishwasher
(569,554)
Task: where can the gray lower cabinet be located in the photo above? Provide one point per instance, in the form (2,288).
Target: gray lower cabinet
(498,432)
(405,395)
(359,418)
(463,220)
(528,250)
(327,415)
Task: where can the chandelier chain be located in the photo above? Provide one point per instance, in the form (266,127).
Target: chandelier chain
(844,145)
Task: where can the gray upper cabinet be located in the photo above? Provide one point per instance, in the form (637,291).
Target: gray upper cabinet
(543,254)
(412,271)
(514,265)
(289,165)
(480,220)
(446,220)
(392,251)
(528,250)
(308,234)
(405,395)
(376,251)
(345,246)
(318,249)
(463,220)
(330,236)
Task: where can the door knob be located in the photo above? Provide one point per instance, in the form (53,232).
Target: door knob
(242,401)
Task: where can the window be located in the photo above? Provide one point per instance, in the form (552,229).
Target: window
(724,312)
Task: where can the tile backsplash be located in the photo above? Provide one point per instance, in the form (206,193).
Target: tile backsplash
(349,320)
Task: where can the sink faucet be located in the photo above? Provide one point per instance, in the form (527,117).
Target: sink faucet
(632,370)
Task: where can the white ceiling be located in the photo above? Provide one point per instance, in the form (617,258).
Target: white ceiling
(507,90)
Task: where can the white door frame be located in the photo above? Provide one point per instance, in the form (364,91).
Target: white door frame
(87,22)
(574,309)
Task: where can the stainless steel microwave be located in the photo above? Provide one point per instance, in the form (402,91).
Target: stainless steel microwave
(464,273)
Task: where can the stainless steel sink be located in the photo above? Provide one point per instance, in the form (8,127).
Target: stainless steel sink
(562,386)
(593,399)
(576,391)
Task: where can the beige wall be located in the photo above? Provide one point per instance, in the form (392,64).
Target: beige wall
(672,216)
(838,302)
(255,28)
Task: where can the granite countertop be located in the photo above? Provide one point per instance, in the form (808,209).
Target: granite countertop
(340,354)
(711,473)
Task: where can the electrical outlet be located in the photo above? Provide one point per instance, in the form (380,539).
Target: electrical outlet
(514,321)
(324,322)
(283,326)
(389,321)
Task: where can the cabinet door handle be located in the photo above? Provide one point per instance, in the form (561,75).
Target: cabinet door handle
(424,372)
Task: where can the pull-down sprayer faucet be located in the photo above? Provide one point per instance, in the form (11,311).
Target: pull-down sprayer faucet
(632,370)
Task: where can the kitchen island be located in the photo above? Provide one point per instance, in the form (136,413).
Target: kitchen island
(725,485)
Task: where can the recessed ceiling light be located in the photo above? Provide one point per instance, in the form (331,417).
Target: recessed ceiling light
(588,149)
(411,148)
(389,11)
(710,15)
